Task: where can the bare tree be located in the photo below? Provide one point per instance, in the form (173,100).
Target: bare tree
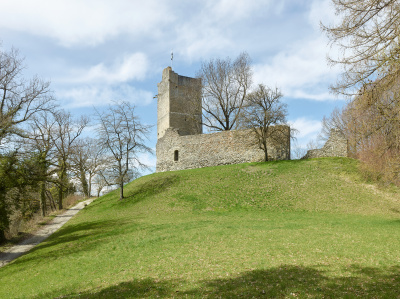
(225,86)
(122,137)
(334,121)
(368,37)
(19,99)
(100,182)
(263,110)
(297,151)
(79,158)
(66,133)
(86,160)
(40,146)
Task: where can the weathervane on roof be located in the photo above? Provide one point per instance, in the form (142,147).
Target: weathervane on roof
(172,58)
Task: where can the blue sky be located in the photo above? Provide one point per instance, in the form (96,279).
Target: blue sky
(96,51)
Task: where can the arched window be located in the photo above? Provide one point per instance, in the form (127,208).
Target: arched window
(176,155)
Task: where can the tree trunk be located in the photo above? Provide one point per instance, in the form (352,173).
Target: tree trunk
(60,198)
(121,193)
(43,198)
(2,236)
(84,182)
(4,221)
(62,178)
(51,200)
(265,151)
(90,186)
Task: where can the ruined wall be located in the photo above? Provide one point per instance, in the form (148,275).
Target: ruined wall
(181,144)
(179,104)
(175,152)
(335,146)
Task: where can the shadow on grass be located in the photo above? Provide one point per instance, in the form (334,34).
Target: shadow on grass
(306,282)
(146,189)
(132,289)
(71,239)
(285,281)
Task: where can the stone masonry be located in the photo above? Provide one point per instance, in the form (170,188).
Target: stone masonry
(180,142)
(335,146)
(176,107)
(175,152)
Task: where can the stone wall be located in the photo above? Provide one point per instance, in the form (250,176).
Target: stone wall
(175,152)
(180,142)
(179,104)
(335,146)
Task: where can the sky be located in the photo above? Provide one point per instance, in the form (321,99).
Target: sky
(95,52)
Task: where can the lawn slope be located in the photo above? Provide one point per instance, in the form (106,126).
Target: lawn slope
(279,229)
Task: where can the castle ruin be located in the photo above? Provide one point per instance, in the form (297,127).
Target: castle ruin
(335,146)
(181,143)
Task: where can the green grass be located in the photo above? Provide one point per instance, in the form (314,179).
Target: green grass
(309,228)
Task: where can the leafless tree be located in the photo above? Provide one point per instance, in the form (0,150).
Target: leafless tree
(122,136)
(86,160)
(263,110)
(225,86)
(100,181)
(368,37)
(40,146)
(19,99)
(297,151)
(66,133)
(334,121)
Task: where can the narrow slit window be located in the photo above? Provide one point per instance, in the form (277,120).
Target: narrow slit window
(176,155)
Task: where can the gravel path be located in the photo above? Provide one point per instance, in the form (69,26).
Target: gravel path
(26,245)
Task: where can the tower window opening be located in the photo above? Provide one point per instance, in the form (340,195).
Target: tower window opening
(176,155)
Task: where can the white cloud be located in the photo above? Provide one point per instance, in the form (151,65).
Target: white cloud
(134,66)
(89,22)
(93,95)
(322,96)
(321,11)
(216,27)
(306,127)
(230,11)
(300,68)
(199,43)
(308,132)
(148,159)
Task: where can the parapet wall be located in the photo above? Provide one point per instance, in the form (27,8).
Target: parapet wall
(175,152)
(335,146)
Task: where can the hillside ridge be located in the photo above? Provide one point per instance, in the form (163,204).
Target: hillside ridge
(323,184)
(288,229)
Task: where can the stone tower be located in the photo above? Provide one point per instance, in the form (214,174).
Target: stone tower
(179,104)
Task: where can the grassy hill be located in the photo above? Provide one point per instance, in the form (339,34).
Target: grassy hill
(278,229)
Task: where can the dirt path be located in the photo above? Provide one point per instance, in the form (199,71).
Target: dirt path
(26,245)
